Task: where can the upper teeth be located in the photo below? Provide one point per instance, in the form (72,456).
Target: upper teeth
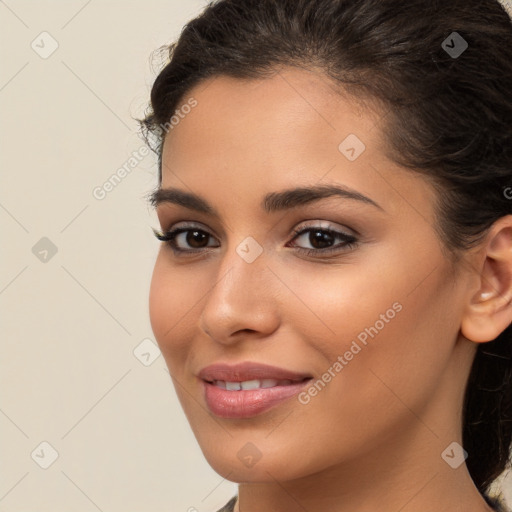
(251,384)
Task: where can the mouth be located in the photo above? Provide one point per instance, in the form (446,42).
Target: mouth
(233,401)
(249,371)
(247,389)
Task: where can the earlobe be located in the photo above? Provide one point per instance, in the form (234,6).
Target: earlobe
(489,310)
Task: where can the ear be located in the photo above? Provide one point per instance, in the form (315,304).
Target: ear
(489,310)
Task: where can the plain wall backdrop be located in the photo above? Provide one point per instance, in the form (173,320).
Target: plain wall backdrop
(89,418)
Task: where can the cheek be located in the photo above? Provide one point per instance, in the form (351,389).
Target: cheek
(404,353)
(392,326)
(171,305)
(335,306)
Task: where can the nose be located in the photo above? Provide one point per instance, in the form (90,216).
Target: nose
(242,301)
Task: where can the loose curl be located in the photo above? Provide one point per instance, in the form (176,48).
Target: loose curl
(447,118)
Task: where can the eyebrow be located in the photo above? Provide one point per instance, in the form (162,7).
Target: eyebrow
(272,202)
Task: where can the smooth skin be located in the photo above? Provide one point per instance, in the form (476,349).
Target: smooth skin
(372,439)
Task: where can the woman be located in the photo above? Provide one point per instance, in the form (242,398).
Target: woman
(333,294)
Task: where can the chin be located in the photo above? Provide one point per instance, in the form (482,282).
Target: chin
(236,469)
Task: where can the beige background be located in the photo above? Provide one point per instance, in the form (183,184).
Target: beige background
(79,368)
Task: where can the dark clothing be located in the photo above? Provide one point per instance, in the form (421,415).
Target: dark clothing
(229,506)
(497,504)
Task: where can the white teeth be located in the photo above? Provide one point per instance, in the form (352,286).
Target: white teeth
(268,383)
(251,384)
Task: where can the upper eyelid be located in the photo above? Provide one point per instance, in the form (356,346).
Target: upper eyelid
(189,226)
(317,223)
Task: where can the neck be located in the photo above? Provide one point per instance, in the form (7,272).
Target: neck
(408,484)
(402,471)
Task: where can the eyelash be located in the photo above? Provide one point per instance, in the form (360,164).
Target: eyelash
(350,241)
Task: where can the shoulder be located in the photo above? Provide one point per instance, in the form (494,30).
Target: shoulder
(230,505)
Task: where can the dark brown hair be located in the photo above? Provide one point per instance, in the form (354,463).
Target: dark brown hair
(447,116)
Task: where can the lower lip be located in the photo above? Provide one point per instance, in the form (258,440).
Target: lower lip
(247,403)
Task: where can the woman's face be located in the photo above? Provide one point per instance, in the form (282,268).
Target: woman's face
(369,312)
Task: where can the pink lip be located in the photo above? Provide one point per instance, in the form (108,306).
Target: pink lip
(248,403)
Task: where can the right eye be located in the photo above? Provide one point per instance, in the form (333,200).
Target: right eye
(189,235)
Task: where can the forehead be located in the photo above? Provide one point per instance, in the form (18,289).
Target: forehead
(249,137)
(291,103)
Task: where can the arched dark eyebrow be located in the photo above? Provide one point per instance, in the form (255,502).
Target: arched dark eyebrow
(272,202)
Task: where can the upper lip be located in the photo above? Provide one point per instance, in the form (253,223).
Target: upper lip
(248,371)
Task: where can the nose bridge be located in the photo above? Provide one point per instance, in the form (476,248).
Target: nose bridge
(241,296)
(242,270)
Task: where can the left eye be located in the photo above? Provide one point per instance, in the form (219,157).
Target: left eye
(322,238)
